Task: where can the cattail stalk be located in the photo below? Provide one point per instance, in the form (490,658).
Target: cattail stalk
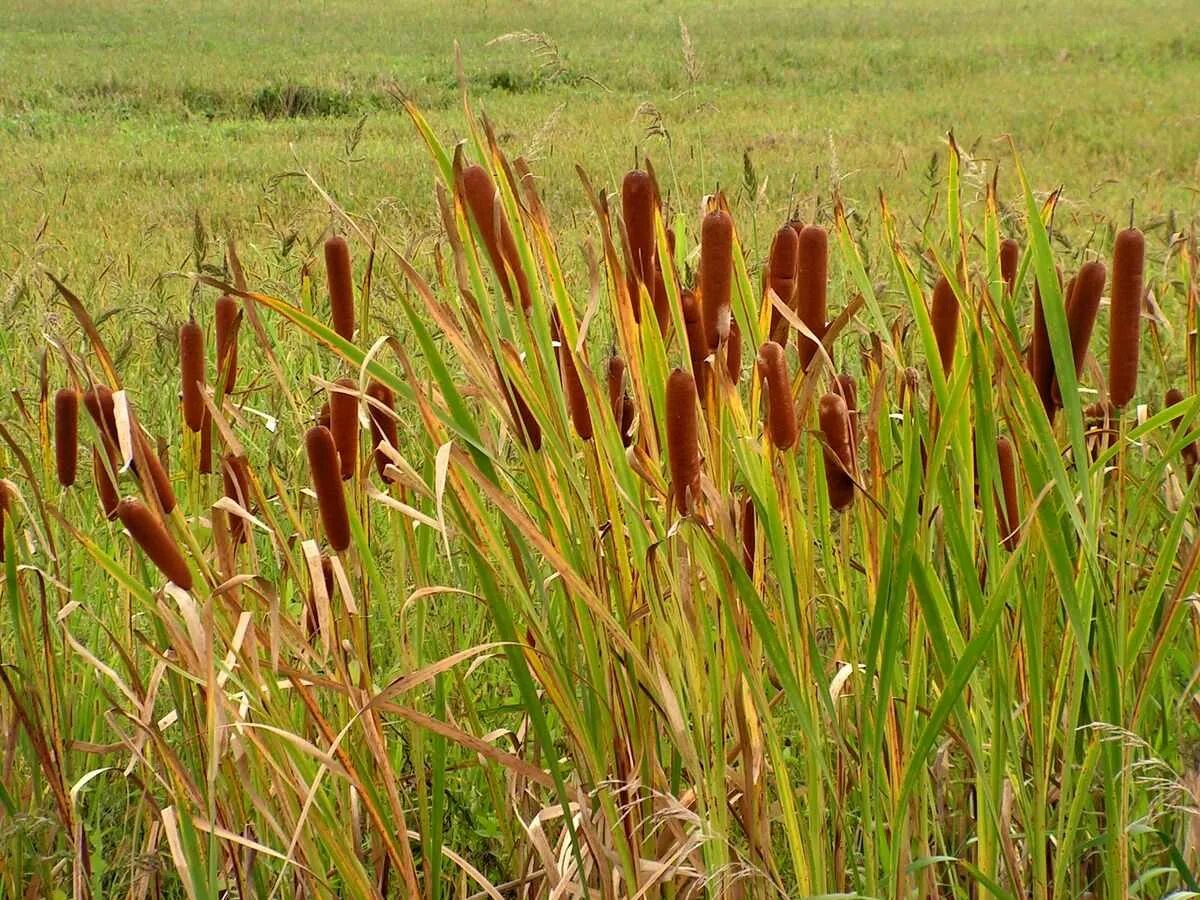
(1010,520)
(151,535)
(341,286)
(484,203)
(838,452)
(226,317)
(383,424)
(780,409)
(66,435)
(343,425)
(327,485)
(1125,317)
(812,277)
(945,322)
(191,370)
(781,278)
(683,449)
(716,275)
(637,209)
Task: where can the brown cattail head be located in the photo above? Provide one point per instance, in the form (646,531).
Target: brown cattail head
(683,449)
(485,206)
(781,278)
(236,475)
(780,410)
(945,321)
(845,388)
(1125,317)
(341,286)
(693,322)
(383,424)
(191,370)
(151,535)
(637,209)
(1082,306)
(66,435)
(227,351)
(628,412)
(527,424)
(1011,518)
(749,535)
(716,275)
(812,275)
(614,377)
(1010,256)
(157,478)
(343,424)
(839,452)
(733,352)
(327,485)
(206,429)
(106,489)
(1191,454)
(664,269)
(98,401)
(1041,361)
(577,404)
(910,387)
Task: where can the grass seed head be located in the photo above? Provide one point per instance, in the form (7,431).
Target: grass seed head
(716,275)
(340,280)
(66,435)
(191,371)
(151,535)
(1125,316)
(812,276)
(834,417)
(683,448)
(780,409)
(325,471)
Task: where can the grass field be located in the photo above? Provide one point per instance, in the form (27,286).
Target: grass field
(597,634)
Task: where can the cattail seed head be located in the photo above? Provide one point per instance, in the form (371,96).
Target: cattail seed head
(1010,257)
(151,535)
(683,449)
(206,453)
(526,422)
(838,452)
(637,209)
(1125,317)
(1084,303)
(693,322)
(1011,518)
(98,401)
(66,435)
(339,277)
(226,316)
(945,321)
(327,485)
(615,382)
(1041,361)
(782,265)
(780,410)
(157,477)
(191,369)
(343,424)
(845,387)
(383,425)
(577,404)
(716,275)
(106,489)
(236,476)
(733,352)
(484,203)
(812,277)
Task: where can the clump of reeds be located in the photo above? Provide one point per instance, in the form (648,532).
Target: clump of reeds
(191,370)
(944,316)
(151,535)
(480,194)
(637,210)
(1010,520)
(812,276)
(226,318)
(683,448)
(383,424)
(66,435)
(340,281)
(780,410)
(325,471)
(834,417)
(1125,315)
(716,275)
(782,264)
(343,424)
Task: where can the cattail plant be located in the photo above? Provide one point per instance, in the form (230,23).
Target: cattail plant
(191,369)
(341,286)
(683,448)
(845,387)
(206,450)
(147,461)
(780,409)
(693,323)
(577,405)
(480,194)
(944,315)
(733,352)
(106,489)
(236,476)
(1041,361)
(749,534)
(716,275)
(528,428)
(1010,257)
(637,209)
(151,535)
(1125,316)
(98,401)
(834,417)
(781,278)
(327,485)
(1010,520)
(812,275)
(343,424)
(618,397)
(66,435)
(1190,452)
(312,615)
(383,424)
(226,317)
(1083,303)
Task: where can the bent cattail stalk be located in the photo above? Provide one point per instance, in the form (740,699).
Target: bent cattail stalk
(191,371)
(480,194)
(780,410)
(781,278)
(66,435)
(227,351)
(637,209)
(838,452)
(151,535)
(327,485)
(945,321)
(811,285)
(1010,520)
(236,472)
(383,424)
(343,424)
(1010,257)
(106,489)
(341,286)
(1190,452)
(716,275)
(1082,307)
(1125,317)
(683,448)
(693,322)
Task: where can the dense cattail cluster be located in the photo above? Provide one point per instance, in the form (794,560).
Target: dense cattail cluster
(812,276)
(780,410)
(327,485)
(781,278)
(383,423)
(343,425)
(226,319)
(716,275)
(341,286)
(484,203)
(66,435)
(1125,322)
(151,535)
(834,417)
(637,209)
(191,369)
(1011,518)
(683,448)
(944,316)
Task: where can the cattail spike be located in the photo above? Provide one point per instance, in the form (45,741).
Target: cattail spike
(98,401)
(683,449)
(577,404)
(226,317)
(151,535)
(637,209)
(716,275)
(343,425)
(206,452)
(812,277)
(1010,257)
(845,387)
(693,322)
(1125,316)
(1010,521)
(340,280)
(327,485)
(66,435)
(838,452)
(1041,360)
(480,194)
(191,369)
(383,424)
(780,408)
(1082,307)
(1190,452)
(236,476)
(106,489)
(781,278)
(945,322)
(733,352)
